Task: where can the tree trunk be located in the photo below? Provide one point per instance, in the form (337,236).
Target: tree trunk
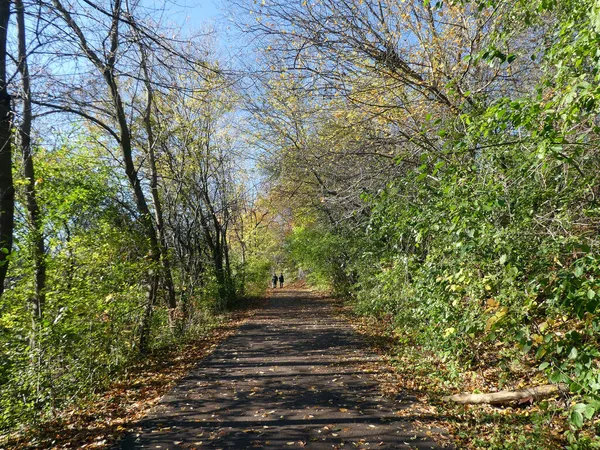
(158,214)
(533,393)
(7,191)
(144,339)
(142,206)
(213,240)
(140,200)
(217,252)
(37,238)
(229,288)
(243,272)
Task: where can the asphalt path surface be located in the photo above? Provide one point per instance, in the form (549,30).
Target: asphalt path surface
(291,377)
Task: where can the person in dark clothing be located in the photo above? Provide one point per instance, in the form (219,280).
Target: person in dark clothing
(274,280)
(281,280)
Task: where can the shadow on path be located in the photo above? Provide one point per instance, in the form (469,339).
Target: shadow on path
(289,378)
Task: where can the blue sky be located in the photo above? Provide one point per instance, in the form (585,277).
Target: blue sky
(203,10)
(195,16)
(194,13)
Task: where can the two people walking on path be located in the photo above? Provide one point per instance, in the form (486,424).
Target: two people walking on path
(275,279)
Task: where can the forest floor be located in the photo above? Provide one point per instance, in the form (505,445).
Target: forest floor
(294,375)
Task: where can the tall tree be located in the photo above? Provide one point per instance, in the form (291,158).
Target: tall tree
(36,233)
(352,94)
(7,191)
(151,147)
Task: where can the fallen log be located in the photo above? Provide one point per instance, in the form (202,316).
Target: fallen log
(533,393)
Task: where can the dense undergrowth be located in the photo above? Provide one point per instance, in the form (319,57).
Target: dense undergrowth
(477,298)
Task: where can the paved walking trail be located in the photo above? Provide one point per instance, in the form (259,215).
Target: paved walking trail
(289,378)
